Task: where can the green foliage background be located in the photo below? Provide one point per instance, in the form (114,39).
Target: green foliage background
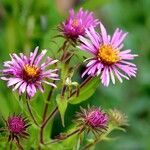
(24,24)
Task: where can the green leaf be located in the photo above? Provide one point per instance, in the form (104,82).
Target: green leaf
(62,106)
(86,91)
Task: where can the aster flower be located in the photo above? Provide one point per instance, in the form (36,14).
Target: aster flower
(17,127)
(93,119)
(76,24)
(27,73)
(108,60)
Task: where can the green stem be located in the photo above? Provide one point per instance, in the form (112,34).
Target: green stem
(47,103)
(31,114)
(60,138)
(86,147)
(44,124)
(81,85)
(56,108)
(20,147)
(45,120)
(10,146)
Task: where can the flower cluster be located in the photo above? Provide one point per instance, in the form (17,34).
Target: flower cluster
(27,74)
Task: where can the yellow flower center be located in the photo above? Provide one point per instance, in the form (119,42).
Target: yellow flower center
(75,23)
(108,55)
(31,71)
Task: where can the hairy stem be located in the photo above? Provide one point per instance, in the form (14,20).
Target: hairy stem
(47,102)
(44,124)
(81,85)
(50,116)
(31,114)
(64,137)
(86,147)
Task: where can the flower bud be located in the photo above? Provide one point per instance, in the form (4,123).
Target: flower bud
(93,119)
(17,127)
(118,118)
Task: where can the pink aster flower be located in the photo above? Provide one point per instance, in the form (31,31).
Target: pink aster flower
(108,60)
(17,127)
(27,73)
(76,24)
(93,119)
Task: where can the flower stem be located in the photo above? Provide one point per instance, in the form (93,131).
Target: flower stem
(44,119)
(47,102)
(86,147)
(50,116)
(44,124)
(31,114)
(81,85)
(19,146)
(10,146)
(56,108)
(64,137)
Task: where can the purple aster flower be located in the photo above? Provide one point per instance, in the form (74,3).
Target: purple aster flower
(17,127)
(76,24)
(93,119)
(108,60)
(27,73)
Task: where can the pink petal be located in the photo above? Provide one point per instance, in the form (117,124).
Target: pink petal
(34,55)
(104,34)
(13,81)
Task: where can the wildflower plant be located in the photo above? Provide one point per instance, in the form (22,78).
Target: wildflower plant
(27,73)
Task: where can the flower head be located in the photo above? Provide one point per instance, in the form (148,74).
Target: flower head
(118,118)
(93,119)
(108,60)
(27,73)
(17,127)
(76,24)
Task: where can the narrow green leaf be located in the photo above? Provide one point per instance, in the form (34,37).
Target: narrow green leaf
(86,91)
(62,106)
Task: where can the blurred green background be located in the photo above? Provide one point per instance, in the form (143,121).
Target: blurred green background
(24,24)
